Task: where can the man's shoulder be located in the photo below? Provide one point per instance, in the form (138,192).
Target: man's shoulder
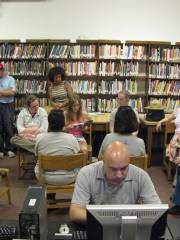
(113,113)
(8,77)
(23,111)
(42,111)
(93,168)
(136,172)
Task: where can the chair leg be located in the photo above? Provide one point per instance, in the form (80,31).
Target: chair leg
(8,187)
(169,172)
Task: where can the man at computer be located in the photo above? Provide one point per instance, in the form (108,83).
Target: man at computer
(111,181)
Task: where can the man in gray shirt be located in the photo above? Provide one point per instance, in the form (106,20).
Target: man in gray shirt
(111,181)
(123,100)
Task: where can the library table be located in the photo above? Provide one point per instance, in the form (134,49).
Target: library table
(100,122)
(151,128)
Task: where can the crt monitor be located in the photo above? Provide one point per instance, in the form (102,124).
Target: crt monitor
(126,222)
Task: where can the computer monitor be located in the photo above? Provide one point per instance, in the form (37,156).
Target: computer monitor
(126,222)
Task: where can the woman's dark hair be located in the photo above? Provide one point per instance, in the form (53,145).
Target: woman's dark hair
(56,120)
(125,121)
(30,99)
(75,98)
(56,71)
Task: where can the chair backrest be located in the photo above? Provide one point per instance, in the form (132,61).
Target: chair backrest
(140,161)
(89,132)
(60,162)
(169,128)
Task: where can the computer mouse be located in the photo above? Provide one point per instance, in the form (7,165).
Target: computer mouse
(64,229)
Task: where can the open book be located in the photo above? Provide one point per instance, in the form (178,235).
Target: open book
(81,124)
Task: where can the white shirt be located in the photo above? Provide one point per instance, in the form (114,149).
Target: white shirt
(26,120)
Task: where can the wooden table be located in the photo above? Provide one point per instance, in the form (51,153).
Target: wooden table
(100,122)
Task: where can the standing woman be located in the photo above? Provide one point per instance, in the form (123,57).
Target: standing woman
(60,90)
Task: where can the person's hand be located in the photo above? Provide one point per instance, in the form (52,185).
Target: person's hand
(70,126)
(177,161)
(158,126)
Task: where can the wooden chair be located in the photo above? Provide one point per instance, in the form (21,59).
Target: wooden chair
(88,136)
(4,176)
(169,129)
(26,163)
(60,162)
(140,161)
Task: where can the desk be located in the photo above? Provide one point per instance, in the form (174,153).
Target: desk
(151,128)
(100,122)
(53,226)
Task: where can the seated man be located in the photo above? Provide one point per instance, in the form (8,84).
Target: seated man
(123,100)
(31,121)
(111,181)
(57,142)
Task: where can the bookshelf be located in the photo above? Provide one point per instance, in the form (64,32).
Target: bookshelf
(26,62)
(164,74)
(80,62)
(122,67)
(97,70)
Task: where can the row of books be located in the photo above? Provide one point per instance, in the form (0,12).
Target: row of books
(77,68)
(84,87)
(163,70)
(115,86)
(158,87)
(16,51)
(110,51)
(20,102)
(106,105)
(25,68)
(122,69)
(89,104)
(31,86)
(165,54)
(76,51)
(134,52)
(169,104)
(106,51)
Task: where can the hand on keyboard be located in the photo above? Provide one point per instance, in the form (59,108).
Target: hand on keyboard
(8,232)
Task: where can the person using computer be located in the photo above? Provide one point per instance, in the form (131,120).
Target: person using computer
(111,181)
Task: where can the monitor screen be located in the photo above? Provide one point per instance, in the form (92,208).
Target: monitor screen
(126,222)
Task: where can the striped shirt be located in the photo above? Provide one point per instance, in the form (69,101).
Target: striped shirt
(58,93)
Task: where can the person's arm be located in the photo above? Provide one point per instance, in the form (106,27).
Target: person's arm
(81,196)
(77,213)
(112,119)
(148,194)
(7,93)
(44,122)
(111,126)
(69,89)
(164,120)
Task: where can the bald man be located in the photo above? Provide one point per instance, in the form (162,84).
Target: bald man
(111,181)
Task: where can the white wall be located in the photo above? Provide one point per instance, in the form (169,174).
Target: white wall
(91,19)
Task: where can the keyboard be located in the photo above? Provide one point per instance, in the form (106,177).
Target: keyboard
(79,235)
(8,232)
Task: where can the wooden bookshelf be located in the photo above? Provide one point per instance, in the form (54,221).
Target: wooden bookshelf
(164,74)
(26,62)
(97,70)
